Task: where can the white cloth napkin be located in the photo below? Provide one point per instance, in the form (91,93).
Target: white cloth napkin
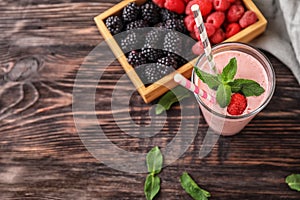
(282,37)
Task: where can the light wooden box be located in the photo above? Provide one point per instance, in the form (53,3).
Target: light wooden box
(158,88)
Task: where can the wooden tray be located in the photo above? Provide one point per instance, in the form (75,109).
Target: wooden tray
(158,88)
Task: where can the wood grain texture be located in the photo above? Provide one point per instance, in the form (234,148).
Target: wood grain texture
(43,45)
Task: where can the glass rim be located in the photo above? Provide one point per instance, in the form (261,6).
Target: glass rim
(271,91)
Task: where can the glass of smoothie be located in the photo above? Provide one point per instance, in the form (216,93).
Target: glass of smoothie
(251,64)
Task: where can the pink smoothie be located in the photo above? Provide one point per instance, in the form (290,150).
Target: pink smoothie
(247,68)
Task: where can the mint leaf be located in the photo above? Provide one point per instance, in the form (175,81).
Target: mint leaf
(293,181)
(152,186)
(191,187)
(247,87)
(176,94)
(229,71)
(211,80)
(223,95)
(154,160)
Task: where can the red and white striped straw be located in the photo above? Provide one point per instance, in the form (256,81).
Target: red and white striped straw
(178,78)
(203,35)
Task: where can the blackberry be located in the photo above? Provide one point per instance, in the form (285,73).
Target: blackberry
(140,71)
(135,58)
(130,12)
(167,61)
(136,24)
(176,24)
(129,42)
(152,55)
(152,72)
(188,45)
(172,43)
(150,12)
(154,39)
(179,60)
(166,14)
(159,25)
(114,24)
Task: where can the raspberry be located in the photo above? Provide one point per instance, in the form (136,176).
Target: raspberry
(238,2)
(189,23)
(218,36)
(237,105)
(247,19)
(198,49)
(204,5)
(216,18)
(235,13)
(231,1)
(221,5)
(160,3)
(210,30)
(193,35)
(176,6)
(232,29)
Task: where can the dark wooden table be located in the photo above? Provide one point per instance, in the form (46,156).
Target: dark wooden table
(43,44)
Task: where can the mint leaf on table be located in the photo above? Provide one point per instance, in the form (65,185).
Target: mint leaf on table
(152,186)
(293,181)
(223,95)
(247,87)
(229,71)
(211,80)
(154,161)
(176,94)
(191,187)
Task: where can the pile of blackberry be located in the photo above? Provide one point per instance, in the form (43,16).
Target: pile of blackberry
(160,50)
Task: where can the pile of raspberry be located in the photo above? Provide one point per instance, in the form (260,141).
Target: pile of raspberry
(223,18)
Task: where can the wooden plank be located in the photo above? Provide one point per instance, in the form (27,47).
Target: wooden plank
(42,156)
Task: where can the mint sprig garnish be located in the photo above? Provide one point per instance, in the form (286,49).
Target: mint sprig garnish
(225,84)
